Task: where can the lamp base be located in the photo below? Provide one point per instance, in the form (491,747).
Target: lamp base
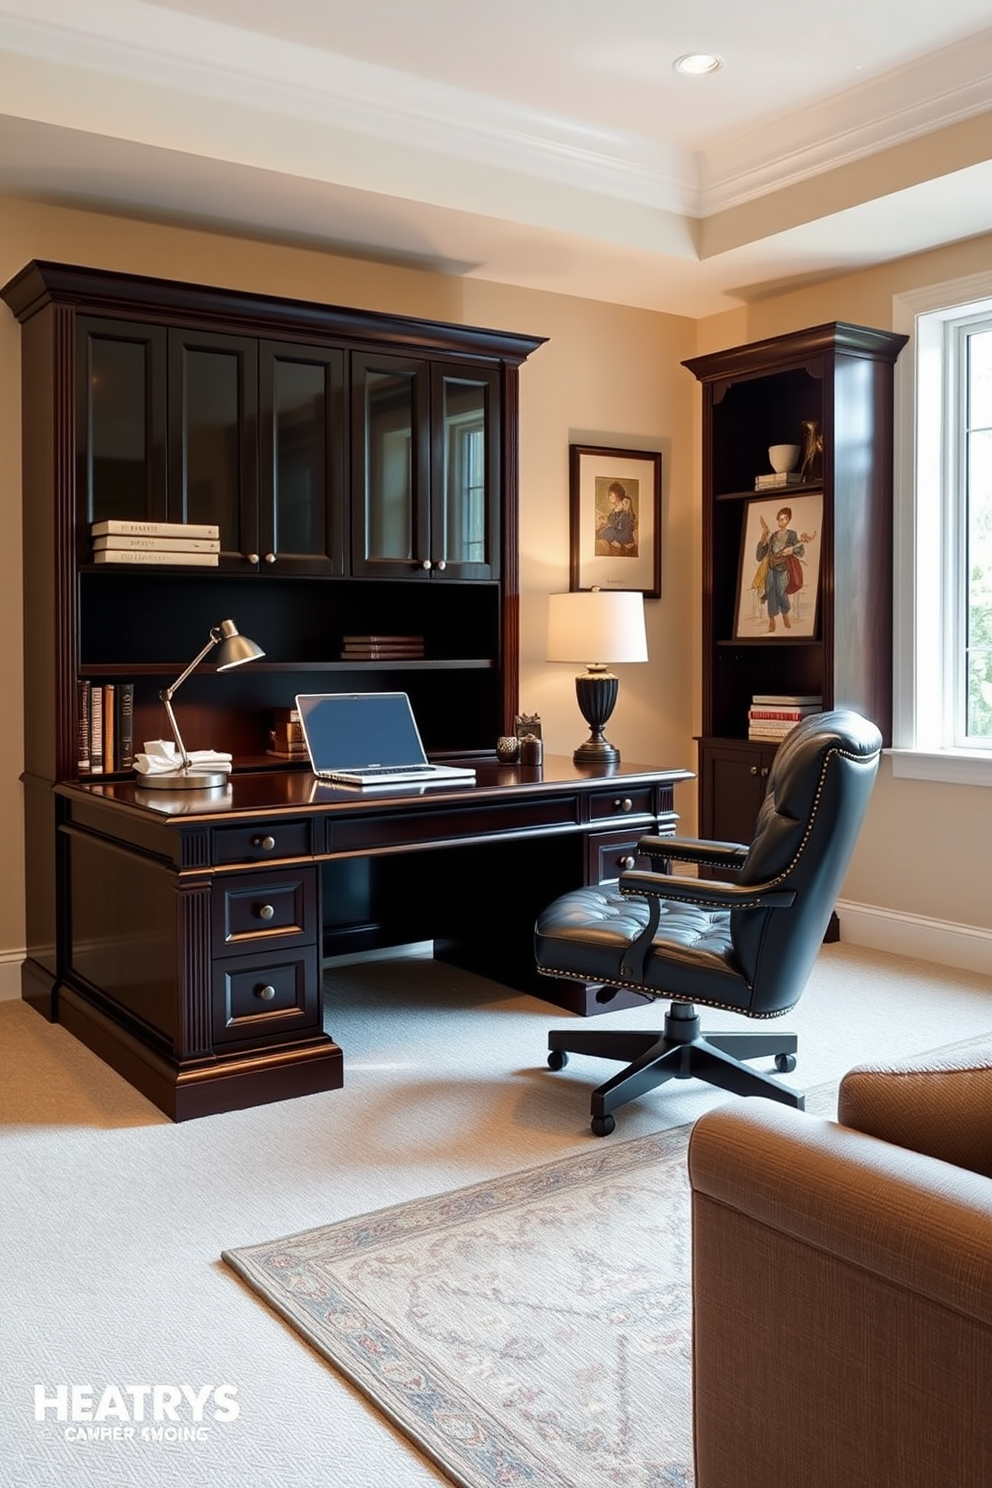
(596,691)
(185,780)
(596,752)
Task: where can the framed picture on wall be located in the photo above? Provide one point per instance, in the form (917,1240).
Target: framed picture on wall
(778,582)
(615,519)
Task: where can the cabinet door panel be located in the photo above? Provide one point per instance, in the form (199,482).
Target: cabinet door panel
(391,410)
(465,475)
(213,410)
(301,440)
(732,780)
(121,421)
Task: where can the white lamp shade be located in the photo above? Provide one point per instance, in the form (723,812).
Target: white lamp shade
(597,626)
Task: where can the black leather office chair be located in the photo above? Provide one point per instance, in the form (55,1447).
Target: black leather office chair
(747,945)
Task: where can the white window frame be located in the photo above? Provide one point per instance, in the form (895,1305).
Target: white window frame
(927,576)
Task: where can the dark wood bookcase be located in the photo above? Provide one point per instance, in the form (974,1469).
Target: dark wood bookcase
(754,396)
(362,469)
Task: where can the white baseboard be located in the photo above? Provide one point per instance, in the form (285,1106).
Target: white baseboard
(10,974)
(968,947)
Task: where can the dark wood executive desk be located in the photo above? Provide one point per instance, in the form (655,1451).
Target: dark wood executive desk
(195,923)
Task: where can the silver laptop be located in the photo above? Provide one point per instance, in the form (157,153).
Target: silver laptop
(368,738)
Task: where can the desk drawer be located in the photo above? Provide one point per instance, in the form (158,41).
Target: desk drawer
(250,909)
(612,853)
(262,842)
(255,997)
(638,801)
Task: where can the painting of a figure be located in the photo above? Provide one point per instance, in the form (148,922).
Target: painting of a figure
(616,517)
(780,567)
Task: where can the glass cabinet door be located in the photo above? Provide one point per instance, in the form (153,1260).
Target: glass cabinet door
(120,422)
(213,467)
(301,448)
(390,445)
(464,533)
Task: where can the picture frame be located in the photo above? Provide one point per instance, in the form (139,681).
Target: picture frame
(791,589)
(615,519)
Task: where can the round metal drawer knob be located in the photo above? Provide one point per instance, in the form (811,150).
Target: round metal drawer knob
(426,563)
(270,557)
(265,994)
(442,564)
(265,911)
(627,862)
(623,803)
(251,557)
(267,842)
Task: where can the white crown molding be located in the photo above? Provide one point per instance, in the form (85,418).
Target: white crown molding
(945,88)
(136,41)
(166,49)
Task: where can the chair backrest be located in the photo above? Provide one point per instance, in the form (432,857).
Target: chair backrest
(818,790)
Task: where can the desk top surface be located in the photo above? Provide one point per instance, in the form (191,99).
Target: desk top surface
(282,790)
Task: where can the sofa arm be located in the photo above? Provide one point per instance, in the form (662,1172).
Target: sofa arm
(842,1307)
(940,1104)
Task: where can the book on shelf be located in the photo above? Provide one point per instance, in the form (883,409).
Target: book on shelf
(132,543)
(84,699)
(378,640)
(178,558)
(96,729)
(125,726)
(382,653)
(122,527)
(774,715)
(109,725)
(294,752)
(786,699)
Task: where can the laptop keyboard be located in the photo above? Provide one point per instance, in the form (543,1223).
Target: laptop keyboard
(369,771)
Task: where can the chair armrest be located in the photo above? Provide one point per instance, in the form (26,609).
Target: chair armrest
(709,893)
(939,1104)
(694,850)
(842,1307)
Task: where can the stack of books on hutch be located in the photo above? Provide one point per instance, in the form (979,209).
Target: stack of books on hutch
(186,544)
(382,647)
(285,738)
(777,480)
(772,715)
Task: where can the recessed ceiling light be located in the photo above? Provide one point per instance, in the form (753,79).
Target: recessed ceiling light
(697,64)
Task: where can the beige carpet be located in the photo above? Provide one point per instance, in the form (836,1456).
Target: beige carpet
(114,1220)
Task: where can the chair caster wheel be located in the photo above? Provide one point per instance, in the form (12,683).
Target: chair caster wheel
(785,1063)
(557,1059)
(602,1126)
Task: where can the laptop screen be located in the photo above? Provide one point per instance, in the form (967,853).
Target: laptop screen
(349,730)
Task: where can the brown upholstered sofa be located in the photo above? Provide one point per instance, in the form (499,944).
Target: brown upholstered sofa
(842,1284)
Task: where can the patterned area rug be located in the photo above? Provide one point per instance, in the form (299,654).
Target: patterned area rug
(531,1330)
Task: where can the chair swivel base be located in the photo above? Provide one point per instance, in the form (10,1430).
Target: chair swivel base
(682,1052)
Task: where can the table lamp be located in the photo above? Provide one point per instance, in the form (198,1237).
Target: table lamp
(597,627)
(234,650)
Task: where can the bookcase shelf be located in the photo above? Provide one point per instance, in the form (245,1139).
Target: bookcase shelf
(172,669)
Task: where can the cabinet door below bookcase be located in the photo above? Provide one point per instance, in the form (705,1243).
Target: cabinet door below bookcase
(733,775)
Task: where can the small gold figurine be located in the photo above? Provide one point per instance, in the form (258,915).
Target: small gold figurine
(812,447)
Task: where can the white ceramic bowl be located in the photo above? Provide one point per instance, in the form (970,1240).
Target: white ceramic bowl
(783,457)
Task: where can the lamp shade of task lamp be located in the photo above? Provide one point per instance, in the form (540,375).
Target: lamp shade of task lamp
(599,627)
(233,650)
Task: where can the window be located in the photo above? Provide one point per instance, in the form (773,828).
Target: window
(943,580)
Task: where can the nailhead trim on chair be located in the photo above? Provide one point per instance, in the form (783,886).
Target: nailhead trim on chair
(729,1007)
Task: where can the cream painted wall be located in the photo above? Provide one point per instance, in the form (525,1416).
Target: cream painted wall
(923,850)
(608,375)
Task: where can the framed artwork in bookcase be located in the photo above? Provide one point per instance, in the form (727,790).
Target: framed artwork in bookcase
(778,579)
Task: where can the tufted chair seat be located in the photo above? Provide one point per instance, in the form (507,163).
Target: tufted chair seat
(747,945)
